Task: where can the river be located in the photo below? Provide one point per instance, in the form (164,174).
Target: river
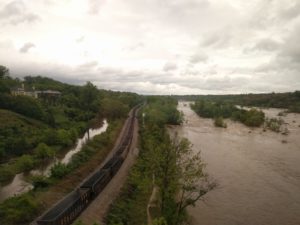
(258,173)
(19,184)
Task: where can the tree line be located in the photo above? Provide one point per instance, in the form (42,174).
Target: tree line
(288,100)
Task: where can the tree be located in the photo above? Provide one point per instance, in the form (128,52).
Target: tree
(59,170)
(181,175)
(4,72)
(19,210)
(193,183)
(89,96)
(25,163)
(43,151)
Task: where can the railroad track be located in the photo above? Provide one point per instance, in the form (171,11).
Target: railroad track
(71,206)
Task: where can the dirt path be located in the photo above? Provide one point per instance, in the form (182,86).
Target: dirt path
(97,210)
(152,204)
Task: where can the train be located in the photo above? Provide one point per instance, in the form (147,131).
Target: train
(70,207)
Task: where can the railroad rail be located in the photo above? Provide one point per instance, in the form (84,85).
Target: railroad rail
(70,207)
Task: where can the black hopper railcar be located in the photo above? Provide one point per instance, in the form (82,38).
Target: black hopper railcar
(66,210)
(69,208)
(97,182)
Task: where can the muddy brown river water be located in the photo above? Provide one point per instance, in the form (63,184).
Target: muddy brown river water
(258,173)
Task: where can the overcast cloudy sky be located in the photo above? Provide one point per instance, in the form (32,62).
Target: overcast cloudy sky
(156,46)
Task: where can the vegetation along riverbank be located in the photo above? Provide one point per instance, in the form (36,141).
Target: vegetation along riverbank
(165,168)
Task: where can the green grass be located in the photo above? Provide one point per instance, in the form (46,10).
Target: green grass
(12,119)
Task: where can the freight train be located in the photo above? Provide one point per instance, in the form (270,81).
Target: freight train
(69,208)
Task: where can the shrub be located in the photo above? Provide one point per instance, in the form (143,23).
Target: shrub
(6,173)
(254,118)
(64,138)
(25,163)
(40,181)
(43,151)
(59,170)
(18,210)
(219,122)
(274,124)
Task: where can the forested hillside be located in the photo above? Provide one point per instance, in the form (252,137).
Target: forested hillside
(55,122)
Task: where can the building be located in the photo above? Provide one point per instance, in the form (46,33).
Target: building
(22,91)
(47,94)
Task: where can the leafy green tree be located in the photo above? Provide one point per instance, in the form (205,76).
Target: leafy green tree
(59,170)
(6,173)
(64,137)
(193,182)
(159,221)
(40,181)
(18,210)
(43,151)
(89,97)
(25,163)
(4,72)
(2,150)
(113,108)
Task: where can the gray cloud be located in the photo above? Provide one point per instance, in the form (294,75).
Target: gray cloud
(95,6)
(16,12)
(135,46)
(80,39)
(197,58)
(292,11)
(219,39)
(170,66)
(267,45)
(13,8)
(288,56)
(26,47)
(291,48)
(87,66)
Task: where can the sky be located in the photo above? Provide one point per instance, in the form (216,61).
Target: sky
(156,46)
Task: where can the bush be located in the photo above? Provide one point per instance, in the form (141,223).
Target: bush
(18,210)
(40,181)
(25,163)
(274,124)
(59,170)
(43,151)
(6,173)
(254,118)
(219,122)
(64,138)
